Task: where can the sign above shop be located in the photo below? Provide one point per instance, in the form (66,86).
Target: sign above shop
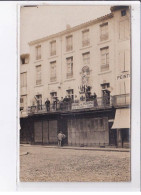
(123,75)
(81,105)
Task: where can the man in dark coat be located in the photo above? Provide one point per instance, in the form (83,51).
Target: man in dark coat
(47,103)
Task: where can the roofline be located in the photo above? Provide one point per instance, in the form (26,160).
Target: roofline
(24,55)
(115,8)
(100,19)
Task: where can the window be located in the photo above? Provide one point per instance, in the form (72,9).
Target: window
(53,96)
(23,79)
(38,99)
(38,52)
(123,13)
(23,102)
(86,58)
(38,75)
(53,48)
(124,60)
(69,62)
(104,31)
(104,59)
(69,44)
(124,31)
(23,60)
(85,38)
(70,93)
(53,71)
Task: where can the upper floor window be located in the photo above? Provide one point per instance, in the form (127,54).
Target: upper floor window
(38,52)
(53,48)
(123,13)
(69,62)
(85,38)
(124,60)
(70,93)
(53,96)
(23,79)
(104,59)
(23,102)
(23,60)
(124,31)
(38,75)
(69,43)
(53,71)
(104,31)
(86,58)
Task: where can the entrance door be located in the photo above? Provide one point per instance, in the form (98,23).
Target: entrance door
(38,132)
(45,132)
(62,126)
(52,135)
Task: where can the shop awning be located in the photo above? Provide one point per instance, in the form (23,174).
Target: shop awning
(122,119)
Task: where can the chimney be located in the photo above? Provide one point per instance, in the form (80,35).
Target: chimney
(68,26)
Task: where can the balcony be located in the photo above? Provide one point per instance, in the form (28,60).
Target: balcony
(97,104)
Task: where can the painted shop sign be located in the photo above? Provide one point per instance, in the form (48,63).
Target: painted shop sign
(81,105)
(124,75)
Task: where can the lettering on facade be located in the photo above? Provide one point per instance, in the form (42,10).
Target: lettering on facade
(123,76)
(81,105)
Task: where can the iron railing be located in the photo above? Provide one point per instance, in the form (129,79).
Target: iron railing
(98,103)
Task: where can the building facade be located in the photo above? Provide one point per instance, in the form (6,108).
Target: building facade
(89,64)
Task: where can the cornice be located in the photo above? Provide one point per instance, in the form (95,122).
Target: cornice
(70,30)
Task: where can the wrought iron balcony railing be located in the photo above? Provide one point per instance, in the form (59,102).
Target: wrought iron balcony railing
(98,103)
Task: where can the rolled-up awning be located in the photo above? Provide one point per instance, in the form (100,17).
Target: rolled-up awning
(122,119)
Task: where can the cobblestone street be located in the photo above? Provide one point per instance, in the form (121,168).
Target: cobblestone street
(38,163)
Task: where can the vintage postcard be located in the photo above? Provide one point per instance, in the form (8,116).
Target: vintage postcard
(75,93)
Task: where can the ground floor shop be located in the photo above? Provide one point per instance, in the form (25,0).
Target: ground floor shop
(81,129)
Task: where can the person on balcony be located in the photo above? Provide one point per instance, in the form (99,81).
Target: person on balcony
(69,102)
(65,102)
(95,100)
(47,103)
(55,103)
(61,104)
(105,98)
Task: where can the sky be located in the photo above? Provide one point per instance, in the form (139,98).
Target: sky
(41,21)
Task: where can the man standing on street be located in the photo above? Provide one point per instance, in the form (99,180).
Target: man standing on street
(60,137)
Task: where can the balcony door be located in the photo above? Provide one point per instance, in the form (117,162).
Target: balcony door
(105,93)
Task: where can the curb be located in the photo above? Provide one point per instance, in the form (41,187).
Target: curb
(78,148)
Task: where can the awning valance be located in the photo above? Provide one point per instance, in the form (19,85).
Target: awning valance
(122,119)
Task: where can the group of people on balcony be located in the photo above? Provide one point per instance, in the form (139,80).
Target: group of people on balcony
(66,102)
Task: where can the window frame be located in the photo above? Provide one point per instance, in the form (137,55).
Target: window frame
(69,74)
(104,57)
(53,78)
(39,74)
(104,28)
(69,46)
(53,48)
(87,59)
(38,53)
(85,40)
(23,79)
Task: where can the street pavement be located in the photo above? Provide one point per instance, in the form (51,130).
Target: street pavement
(73,164)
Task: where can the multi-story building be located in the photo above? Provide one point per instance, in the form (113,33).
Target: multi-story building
(93,57)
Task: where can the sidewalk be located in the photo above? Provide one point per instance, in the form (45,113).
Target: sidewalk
(110,149)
